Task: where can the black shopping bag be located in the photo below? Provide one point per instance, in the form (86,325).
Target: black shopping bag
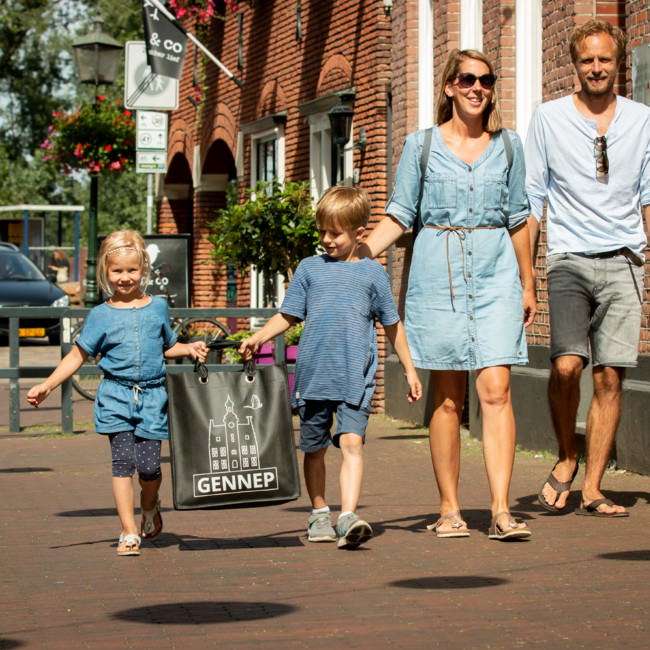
(231,438)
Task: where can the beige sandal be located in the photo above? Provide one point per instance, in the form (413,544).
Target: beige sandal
(514,530)
(458,526)
(129,544)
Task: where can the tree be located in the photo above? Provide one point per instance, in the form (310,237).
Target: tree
(37,78)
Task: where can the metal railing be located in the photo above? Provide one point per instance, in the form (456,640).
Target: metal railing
(15,371)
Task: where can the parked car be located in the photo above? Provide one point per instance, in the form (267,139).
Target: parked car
(23,284)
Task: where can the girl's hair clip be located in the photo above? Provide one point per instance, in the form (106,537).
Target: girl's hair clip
(121,248)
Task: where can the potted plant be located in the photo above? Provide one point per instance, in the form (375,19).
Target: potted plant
(273,229)
(265,354)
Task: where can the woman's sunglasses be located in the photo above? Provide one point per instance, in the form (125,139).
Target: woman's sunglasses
(467,80)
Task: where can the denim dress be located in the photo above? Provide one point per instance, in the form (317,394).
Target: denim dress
(464,305)
(132,395)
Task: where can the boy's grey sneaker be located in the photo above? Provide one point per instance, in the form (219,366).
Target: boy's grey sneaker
(352,531)
(319,528)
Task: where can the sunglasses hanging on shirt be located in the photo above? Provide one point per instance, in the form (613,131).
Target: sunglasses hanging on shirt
(600,153)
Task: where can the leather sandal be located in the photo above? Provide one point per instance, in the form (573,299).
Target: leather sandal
(458,528)
(514,529)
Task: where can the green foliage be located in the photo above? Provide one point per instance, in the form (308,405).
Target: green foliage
(35,69)
(273,229)
(293,334)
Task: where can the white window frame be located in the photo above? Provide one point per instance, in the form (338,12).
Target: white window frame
(528,62)
(320,155)
(257,279)
(471,25)
(425,64)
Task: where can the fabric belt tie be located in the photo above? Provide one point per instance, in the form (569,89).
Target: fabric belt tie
(136,386)
(459,231)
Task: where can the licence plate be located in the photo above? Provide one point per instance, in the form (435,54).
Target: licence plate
(31,331)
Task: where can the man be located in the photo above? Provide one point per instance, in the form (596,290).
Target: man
(589,154)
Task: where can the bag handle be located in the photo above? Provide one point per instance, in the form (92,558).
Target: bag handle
(221,344)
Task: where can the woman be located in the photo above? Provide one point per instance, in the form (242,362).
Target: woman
(60,266)
(471,287)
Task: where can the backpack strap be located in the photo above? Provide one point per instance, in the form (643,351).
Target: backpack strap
(424,159)
(507,145)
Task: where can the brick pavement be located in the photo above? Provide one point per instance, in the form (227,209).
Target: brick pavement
(245,578)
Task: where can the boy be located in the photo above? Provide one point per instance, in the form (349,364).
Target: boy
(339,295)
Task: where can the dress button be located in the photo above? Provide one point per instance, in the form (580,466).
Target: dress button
(471,317)
(469,252)
(471,188)
(470,295)
(470,210)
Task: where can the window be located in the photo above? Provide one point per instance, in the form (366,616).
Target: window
(267,163)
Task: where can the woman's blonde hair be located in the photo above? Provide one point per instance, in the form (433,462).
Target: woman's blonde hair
(119,243)
(444,106)
(344,206)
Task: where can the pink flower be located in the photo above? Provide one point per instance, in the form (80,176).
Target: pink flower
(115,165)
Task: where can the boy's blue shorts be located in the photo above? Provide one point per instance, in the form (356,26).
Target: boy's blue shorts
(317,416)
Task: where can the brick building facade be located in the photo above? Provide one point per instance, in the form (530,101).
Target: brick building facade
(296,60)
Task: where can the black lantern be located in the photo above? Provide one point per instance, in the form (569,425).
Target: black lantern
(341,123)
(97,56)
(98,59)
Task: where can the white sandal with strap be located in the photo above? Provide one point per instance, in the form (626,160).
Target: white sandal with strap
(131,544)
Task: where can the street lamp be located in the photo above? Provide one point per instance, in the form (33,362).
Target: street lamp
(97,56)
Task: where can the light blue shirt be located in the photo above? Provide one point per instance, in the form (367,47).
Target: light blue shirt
(339,302)
(585,214)
(482,324)
(132,395)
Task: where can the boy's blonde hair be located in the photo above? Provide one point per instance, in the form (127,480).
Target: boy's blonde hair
(444,106)
(343,206)
(118,243)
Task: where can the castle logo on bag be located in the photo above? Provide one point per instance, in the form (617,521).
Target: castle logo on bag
(235,464)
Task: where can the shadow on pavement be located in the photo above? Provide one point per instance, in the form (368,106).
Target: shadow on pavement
(9,644)
(203,612)
(633,556)
(448,582)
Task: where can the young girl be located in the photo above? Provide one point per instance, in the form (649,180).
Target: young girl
(132,333)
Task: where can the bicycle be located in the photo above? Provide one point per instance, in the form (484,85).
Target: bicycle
(192,328)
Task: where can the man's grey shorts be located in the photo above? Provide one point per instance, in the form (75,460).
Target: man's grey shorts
(317,417)
(595,302)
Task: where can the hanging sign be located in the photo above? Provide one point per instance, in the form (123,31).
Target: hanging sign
(166,42)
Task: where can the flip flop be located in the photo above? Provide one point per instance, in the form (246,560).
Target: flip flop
(458,526)
(591,509)
(515,530)
(559,487)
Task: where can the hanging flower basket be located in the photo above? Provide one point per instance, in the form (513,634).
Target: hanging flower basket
(96,138)
(202,10)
